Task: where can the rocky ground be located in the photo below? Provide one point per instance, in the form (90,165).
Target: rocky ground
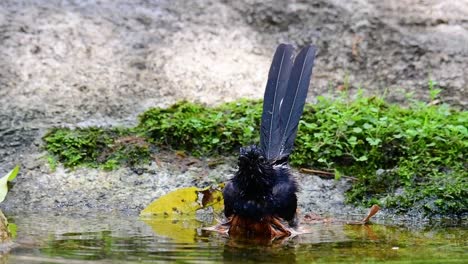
(80,63)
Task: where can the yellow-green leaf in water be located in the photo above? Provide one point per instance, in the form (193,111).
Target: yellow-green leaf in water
(3,182)
(185,202)
(181,231)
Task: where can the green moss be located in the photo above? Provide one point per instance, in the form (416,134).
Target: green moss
(96,147)
(419,151)
(201,130)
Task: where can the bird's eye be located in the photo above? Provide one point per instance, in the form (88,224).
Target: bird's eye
(261,159)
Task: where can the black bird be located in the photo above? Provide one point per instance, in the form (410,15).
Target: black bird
(263,191)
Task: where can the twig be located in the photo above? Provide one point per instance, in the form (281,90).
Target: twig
(324,173)
(320,172)
(214,163)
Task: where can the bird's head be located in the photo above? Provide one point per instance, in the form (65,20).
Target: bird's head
(251,160)
(255,171)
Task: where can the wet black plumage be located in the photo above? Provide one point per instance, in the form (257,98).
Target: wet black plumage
(263,186)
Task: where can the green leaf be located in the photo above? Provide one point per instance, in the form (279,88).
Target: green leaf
(338,175)
(12,229)
(362,158)
(352,141)
(357,130)
(373,141)
(12,174)
(322,160)
(411,132)
(309,125)
(3,182)
(318,135)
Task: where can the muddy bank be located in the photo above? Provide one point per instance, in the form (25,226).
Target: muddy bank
(79,63)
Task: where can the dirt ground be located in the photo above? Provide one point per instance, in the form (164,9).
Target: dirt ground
(80,63)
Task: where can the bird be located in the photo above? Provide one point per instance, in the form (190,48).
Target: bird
(260,200)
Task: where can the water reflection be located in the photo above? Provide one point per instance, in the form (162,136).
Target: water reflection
(104,239)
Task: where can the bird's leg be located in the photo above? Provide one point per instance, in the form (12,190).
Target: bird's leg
(278,227)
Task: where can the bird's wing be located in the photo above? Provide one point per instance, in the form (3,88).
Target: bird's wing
(230,195)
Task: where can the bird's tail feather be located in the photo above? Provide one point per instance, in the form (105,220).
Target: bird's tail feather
(278,76)
(294,99)
(284,100)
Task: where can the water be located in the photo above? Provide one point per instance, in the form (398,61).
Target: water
(128,239)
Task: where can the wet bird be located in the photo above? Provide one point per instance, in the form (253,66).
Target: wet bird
(260,200)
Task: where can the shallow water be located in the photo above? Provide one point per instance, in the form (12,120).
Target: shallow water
(115,239)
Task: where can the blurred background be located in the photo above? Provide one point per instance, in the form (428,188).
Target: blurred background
(77,63)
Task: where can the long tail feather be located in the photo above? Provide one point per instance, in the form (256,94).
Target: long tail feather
(294,100)
(270,133)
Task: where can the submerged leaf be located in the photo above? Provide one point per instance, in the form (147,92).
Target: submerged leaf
(181,231)
(185,201)
(3,182)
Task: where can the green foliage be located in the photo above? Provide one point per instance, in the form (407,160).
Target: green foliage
(74,147)
(95,147)
(439,192)
(201,130)
(422,149)
(433,91)
(402,157)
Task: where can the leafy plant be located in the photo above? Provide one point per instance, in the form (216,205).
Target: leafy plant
(433,91)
